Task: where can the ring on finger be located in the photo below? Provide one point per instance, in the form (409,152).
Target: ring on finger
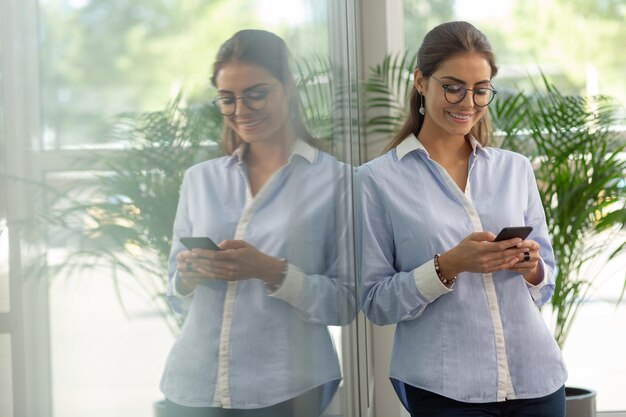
(526,256)
(188,267)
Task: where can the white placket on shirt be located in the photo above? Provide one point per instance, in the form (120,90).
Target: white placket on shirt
(222,387)
(505,386)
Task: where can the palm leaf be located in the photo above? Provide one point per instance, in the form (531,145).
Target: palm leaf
(387,91)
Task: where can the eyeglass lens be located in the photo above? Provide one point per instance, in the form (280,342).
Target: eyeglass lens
(455,93)
(254,100)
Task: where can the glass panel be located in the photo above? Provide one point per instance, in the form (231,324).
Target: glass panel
(6,387)
(107,309)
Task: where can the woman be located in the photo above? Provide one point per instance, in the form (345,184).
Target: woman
(470,339)
(255,341)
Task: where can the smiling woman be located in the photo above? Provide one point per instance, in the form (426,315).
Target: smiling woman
(264,109)
(257,310)
(261,78)
(430,260)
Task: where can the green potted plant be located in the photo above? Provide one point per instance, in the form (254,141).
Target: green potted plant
(580,177)
(576,156)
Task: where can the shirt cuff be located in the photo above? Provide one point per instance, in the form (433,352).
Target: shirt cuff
(428,283)
(291,287)
(175,291)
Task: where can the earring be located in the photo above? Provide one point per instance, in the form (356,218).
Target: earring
(421,110)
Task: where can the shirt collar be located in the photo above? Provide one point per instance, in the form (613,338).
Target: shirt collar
(304,150)
(408,145)
(300,148)
(411,143)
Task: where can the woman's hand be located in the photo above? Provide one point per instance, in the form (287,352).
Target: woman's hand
(237,261)
(189,278)
(479,253)
(529,265)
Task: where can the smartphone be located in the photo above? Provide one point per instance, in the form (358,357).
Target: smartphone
(199,242)
(511,232)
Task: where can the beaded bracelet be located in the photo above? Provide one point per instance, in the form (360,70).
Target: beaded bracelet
(448,282)
(273,287)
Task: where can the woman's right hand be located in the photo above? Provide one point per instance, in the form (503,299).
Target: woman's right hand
(189,279)
(479,253)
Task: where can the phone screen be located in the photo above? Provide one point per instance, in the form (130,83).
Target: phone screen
(510,232)
(199,242)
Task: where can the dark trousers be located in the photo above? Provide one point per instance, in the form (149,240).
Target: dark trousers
(305,405)
(424,403)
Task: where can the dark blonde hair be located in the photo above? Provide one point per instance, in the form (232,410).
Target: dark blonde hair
(268,51)
(442,43)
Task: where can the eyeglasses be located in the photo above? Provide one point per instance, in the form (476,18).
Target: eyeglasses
(254,100)
(455,93)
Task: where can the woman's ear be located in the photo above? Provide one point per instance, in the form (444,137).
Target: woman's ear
(419,81)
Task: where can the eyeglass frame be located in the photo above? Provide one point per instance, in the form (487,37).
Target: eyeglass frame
(243,99)
(473,90)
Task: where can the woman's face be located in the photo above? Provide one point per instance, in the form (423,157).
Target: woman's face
(443,118)
(258,101)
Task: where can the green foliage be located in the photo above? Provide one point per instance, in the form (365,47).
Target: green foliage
(580,174)
(315,85)
(387,91)
(146,181)
(578,161)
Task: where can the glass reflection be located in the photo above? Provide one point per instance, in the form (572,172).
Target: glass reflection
(258,298)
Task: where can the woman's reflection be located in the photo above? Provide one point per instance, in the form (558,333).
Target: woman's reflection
(255,341)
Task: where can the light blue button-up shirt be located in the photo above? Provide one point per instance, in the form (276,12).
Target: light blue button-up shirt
(484,340)
(242,346)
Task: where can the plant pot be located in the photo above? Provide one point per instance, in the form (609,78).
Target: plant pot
(580,402)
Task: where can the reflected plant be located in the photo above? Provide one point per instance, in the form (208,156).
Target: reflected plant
(329,102)
(315,85)
(119,218)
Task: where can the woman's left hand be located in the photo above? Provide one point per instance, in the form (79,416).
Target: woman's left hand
(528,266)
(238,260)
